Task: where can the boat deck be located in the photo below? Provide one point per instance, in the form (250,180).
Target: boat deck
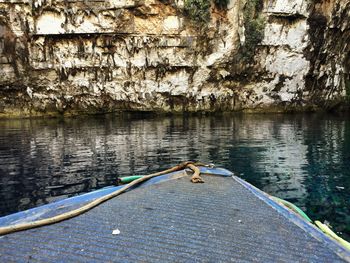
(221,220)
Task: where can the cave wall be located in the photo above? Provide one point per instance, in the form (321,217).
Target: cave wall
(78,56)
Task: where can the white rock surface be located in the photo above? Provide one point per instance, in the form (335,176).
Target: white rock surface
(287,7)
(126,54)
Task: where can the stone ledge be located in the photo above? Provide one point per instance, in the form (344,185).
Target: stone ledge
(286,8)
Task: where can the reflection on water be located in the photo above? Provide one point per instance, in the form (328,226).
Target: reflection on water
(304,159)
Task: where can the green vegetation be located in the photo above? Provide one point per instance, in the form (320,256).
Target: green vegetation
(198,10)
(254,22)
(254,25)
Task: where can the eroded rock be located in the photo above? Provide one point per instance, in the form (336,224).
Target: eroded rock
(71,57)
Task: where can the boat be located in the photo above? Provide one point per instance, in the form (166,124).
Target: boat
(168,218)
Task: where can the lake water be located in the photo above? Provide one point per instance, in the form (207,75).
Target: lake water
(304,159)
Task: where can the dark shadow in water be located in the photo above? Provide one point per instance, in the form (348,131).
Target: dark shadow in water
(304,159)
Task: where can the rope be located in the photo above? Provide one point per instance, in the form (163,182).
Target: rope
(196,178)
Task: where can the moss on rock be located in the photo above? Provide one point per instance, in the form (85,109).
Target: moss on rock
(254,24)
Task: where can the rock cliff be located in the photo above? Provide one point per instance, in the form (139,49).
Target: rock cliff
(80,56)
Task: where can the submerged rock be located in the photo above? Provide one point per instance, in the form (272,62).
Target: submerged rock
(60,57)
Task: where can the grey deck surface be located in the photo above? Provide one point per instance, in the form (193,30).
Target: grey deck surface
(175,221)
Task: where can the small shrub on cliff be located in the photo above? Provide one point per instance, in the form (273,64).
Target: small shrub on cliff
(198,10)
(254,25)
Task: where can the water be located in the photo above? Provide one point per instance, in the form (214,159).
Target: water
(301,158)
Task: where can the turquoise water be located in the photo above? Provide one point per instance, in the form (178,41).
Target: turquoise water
(304,159)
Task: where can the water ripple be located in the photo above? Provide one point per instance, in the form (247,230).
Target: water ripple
(303,159)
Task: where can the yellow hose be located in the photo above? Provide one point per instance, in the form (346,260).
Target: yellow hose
(325,229)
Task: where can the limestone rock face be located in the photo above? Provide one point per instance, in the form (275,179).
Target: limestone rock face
(77,56)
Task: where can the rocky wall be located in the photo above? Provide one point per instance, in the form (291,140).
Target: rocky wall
(78,56)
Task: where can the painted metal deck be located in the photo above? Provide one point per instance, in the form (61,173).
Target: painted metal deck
(222,220)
